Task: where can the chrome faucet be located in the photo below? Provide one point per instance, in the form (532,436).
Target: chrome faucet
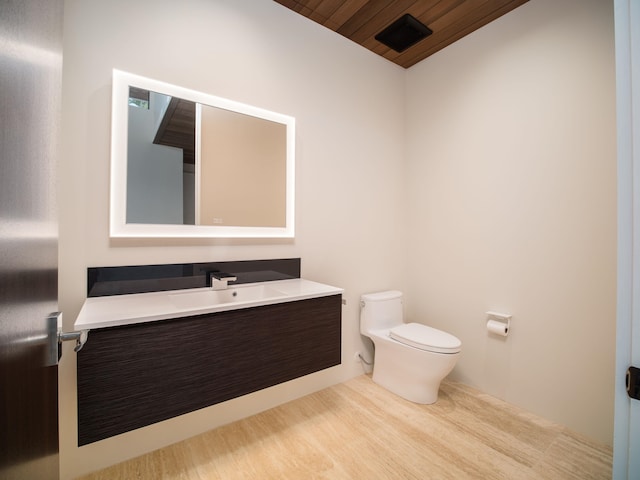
(220,280)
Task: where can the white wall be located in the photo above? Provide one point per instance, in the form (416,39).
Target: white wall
(154,172)
(500,158)
(348,105)
(511,186)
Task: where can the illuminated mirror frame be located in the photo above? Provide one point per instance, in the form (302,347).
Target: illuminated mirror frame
(119,228)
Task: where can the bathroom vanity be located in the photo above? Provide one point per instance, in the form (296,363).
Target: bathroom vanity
(153,356)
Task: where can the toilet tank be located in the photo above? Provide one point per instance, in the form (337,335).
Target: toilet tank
(380,310)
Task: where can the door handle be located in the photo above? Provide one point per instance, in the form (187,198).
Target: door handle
(80,336)
(55,337)
(633,382)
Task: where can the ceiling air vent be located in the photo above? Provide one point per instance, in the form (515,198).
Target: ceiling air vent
(403,33)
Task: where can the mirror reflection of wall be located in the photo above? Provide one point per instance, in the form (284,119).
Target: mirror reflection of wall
(243,169)
(160,159)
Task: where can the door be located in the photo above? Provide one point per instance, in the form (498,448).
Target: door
(30,92)
(626,446)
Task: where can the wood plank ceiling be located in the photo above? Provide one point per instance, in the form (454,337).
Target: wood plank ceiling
(361,20)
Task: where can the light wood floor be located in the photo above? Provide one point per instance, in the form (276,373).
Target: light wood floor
(357,430)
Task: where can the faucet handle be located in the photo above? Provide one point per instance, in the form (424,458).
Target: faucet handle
(220,280)
(223,276)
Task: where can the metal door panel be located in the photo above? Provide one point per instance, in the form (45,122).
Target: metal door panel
(30,91)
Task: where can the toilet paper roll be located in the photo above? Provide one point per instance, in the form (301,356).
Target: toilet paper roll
(498,328)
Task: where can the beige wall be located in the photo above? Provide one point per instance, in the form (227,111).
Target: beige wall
(498,153)
(511,186)
(258,53)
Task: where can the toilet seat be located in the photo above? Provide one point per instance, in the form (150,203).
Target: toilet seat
(426,338)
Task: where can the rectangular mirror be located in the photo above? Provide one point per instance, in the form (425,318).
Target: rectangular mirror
(190,164)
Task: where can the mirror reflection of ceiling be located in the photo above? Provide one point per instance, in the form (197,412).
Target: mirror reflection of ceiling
(362,20)
(178,128)
(178,125)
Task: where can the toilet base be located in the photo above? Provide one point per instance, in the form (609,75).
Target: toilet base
(411,373)
(425,394)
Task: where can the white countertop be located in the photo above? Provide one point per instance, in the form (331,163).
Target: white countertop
(114,310)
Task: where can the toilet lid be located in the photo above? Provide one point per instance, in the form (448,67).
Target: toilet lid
(426,338)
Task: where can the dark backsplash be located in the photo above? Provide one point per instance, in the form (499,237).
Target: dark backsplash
(105,281)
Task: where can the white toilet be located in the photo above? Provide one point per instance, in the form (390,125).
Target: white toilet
(411,359)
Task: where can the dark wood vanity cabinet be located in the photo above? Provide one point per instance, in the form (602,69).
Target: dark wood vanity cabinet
(135,375)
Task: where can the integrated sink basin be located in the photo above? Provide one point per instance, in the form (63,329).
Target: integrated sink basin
(117,310)
(211,298)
